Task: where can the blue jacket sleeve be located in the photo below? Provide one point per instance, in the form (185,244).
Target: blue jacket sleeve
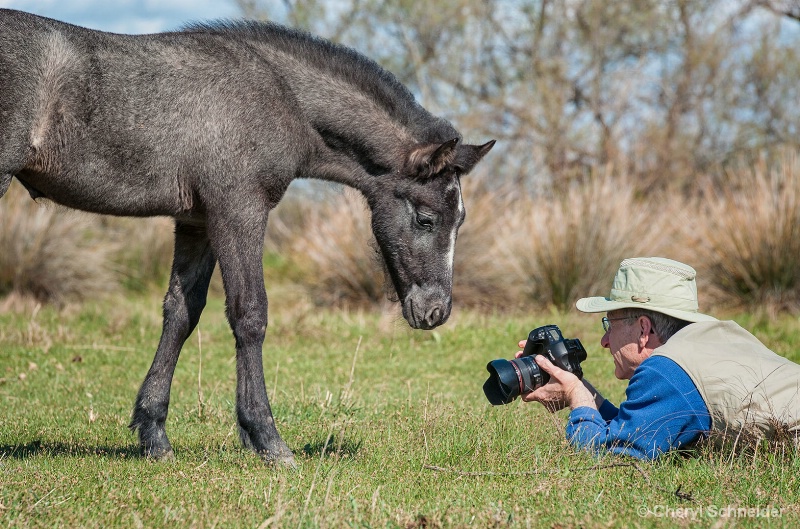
(663,411)
(607,410)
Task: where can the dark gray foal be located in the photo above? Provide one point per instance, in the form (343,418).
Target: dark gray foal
(209,125)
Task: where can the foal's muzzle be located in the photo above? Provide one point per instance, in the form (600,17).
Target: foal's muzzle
(426,307)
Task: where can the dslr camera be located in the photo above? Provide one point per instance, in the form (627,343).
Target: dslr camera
(509,379)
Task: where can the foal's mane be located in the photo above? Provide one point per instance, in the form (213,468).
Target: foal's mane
(335,60)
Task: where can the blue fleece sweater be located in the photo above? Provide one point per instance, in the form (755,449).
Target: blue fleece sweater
(663,411)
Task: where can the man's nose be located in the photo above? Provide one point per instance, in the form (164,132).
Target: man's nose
(604,342)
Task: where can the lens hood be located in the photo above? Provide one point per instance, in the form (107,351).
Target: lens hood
(503,385)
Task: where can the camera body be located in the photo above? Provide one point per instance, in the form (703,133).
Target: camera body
(510,378)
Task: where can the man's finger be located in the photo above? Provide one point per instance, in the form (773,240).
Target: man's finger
(538,395)
(545,364)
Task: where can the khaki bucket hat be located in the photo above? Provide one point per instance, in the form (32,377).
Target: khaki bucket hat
(651,283)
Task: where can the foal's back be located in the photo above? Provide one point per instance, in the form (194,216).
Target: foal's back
(142,125)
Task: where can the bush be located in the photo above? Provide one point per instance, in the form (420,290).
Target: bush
(49,253)
(335,250)
(747,240)
(144,248)
(513,250)
(479,280)
(561,247)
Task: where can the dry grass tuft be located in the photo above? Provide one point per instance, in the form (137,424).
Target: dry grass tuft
(335,249)
(144,250)
(559,248)
(778,440)
(747,241)
(479,280)
(50,253)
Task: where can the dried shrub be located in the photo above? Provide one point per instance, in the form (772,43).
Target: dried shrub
(290,215)
(513,250)
(336,252)
(479,279)
(746,241)
(49,253)
(143,259)
(559,248)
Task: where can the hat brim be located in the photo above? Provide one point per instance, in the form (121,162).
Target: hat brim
(601,304)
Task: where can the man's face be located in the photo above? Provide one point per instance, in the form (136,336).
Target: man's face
(623,340)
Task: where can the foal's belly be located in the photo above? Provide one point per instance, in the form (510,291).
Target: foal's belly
(122,195)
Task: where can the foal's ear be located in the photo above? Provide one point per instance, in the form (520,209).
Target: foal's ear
(469,155)
(428,160)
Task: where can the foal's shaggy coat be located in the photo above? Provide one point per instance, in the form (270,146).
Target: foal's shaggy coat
(210,125)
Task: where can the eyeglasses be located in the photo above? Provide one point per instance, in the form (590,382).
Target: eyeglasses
(607,321)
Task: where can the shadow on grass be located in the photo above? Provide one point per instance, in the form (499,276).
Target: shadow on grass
(35,448)
(333,446)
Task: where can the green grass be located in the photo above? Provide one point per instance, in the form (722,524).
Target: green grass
(389,426)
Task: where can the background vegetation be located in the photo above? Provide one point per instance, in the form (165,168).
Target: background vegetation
(624,128)
(516,251)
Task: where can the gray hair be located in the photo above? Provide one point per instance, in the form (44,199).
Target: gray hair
(663,326)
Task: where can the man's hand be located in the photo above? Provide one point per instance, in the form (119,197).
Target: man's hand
(564,388)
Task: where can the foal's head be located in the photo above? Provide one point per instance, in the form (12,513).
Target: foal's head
(415,219)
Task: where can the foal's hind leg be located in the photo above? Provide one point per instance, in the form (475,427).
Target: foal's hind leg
(238,241)
(192,267)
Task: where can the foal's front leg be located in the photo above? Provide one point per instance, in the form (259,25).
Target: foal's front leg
(239,244)
(192,267)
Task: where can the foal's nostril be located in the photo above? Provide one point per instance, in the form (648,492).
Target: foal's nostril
(434,316)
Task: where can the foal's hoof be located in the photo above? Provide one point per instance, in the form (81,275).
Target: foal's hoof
(278,458)
(157,448)
(158,454)
(270,448)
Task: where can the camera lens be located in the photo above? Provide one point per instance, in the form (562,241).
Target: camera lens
(508,379)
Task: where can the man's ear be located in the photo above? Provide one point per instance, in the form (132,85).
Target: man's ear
(647,336)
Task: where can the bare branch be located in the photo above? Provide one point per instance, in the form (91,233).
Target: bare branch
(787,8)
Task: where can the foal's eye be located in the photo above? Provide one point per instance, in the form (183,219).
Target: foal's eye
(425,221)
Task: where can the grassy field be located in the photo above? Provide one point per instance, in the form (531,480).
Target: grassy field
(389,426)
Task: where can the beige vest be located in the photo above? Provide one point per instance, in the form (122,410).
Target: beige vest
(747,388)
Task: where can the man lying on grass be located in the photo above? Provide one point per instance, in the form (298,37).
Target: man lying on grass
(691,375)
